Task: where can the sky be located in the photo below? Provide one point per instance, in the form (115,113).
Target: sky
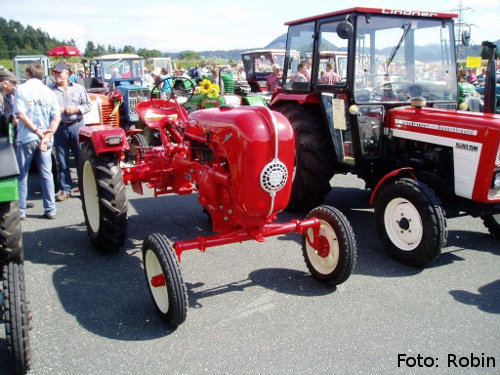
(200,25)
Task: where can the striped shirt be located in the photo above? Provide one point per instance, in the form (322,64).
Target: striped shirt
(273,82)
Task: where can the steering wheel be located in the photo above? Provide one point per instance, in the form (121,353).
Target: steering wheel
(183,90)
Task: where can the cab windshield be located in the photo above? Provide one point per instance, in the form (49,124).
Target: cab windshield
(401,57)
(122,69)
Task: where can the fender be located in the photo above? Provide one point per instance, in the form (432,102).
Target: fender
(104,138)
(131,132)
(310,98)
(407,172)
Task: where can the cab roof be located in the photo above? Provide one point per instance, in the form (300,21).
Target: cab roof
(117,56)
(395,12)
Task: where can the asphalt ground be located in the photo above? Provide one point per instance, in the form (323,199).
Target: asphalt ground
(253,308)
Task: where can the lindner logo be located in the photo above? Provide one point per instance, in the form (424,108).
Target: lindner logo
(402,12)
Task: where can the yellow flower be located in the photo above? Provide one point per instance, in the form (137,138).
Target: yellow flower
(205,86)
(214,91)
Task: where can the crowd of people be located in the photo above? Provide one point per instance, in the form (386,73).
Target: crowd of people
(477,76)
(44,118)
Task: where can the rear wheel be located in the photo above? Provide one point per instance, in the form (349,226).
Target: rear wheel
(164,279)
(136,140)
(103,198)
(410,222)
(492,222)
(16,317)
(11,244)
(313,154)
(332,260)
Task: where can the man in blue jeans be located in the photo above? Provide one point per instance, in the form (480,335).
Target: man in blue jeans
(37,110)
(74,103)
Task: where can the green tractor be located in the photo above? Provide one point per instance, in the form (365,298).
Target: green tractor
(235,93)
(14,310)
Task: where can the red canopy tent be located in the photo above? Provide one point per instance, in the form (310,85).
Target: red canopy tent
(64,51)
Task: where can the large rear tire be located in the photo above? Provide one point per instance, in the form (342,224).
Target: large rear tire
(333,264)
(103,198)
(492,222)
(164,279)
(410,222)
(11,242)
(136,140)
(16,317)
(314,156)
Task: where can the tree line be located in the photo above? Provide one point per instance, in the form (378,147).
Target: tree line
(15,39)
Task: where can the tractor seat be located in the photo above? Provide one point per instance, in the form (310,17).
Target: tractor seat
(92,84)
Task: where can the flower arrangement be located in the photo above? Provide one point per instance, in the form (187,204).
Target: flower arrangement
(116,96)
(209,89)
(117,99)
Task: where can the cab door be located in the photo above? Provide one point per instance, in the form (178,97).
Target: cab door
(331,81)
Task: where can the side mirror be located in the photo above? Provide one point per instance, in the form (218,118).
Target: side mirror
(466,37)
(345,30)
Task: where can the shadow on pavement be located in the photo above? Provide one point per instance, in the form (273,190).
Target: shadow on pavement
(487,300)
(281,280)
(108,294)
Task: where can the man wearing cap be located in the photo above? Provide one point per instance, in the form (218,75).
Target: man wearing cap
(74,103)
(36,107)
(8,84)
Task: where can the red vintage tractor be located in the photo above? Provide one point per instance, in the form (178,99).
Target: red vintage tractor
(392,120)
(239,160)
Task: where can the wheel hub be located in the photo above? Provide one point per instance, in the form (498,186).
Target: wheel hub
(404,223)
(158,281)
(324,247)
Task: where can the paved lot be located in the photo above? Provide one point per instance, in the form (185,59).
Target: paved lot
(253,308)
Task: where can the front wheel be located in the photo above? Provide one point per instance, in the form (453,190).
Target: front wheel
(164,279)
(492,222)
(103,198)
(410,222)
(16,317)
(330,257)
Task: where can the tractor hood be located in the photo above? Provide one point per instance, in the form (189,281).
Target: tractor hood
(473,137)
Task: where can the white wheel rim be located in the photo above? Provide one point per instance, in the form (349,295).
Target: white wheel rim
(403,224)
(323,265)
(160,293)
(90,196)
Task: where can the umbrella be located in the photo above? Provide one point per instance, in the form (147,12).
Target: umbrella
(64,51)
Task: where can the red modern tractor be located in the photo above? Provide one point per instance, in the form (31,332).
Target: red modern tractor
(239,160)
(392,121)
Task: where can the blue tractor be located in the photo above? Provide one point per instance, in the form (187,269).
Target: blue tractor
(122,73)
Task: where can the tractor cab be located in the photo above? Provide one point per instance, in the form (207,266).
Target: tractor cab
(383,57)
(21,62)
(258,65)
(155,64)
(123,73)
